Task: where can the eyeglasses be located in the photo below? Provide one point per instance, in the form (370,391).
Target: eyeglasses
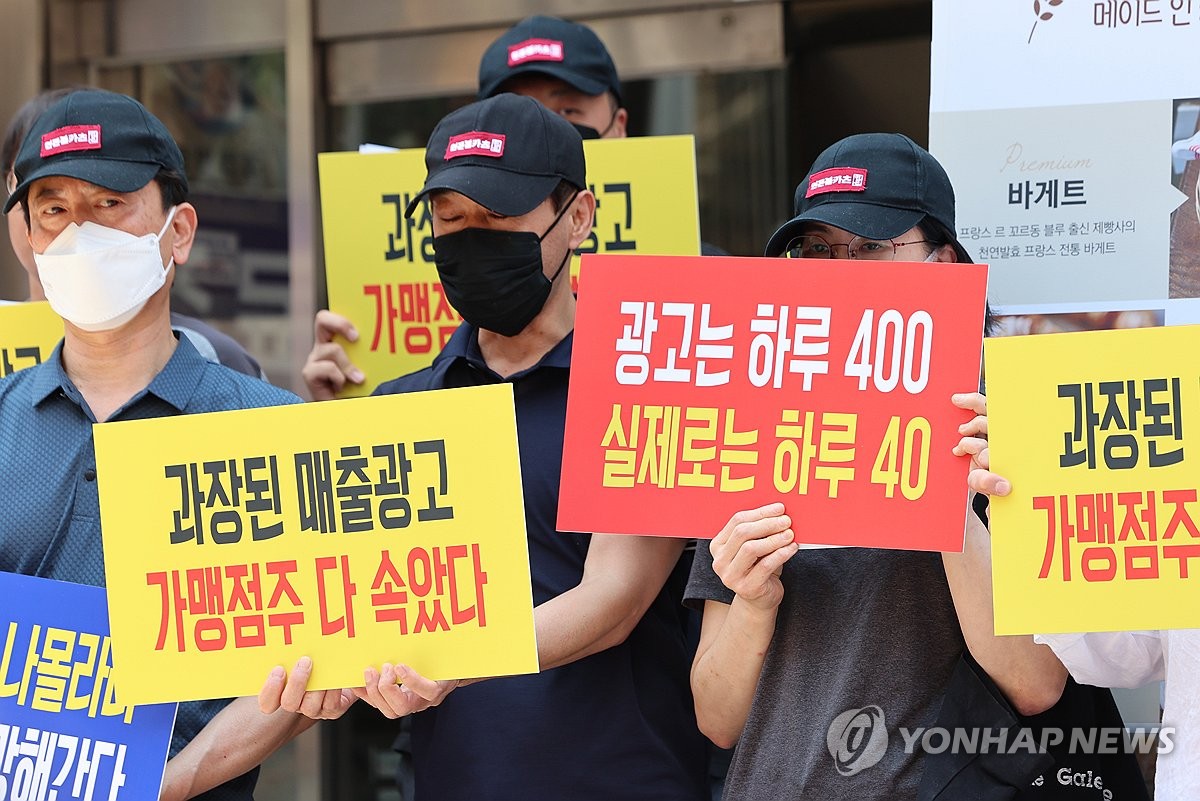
(811,246)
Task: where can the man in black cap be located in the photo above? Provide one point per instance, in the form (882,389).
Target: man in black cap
(563,65)
(610,715)
(104,194)
(214,345)
(809,658)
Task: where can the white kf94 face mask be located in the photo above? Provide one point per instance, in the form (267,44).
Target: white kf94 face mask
(99,278)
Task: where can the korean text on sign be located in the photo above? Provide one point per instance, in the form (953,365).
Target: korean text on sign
(704,386)
(64,731)
(355,532)
(1102,531)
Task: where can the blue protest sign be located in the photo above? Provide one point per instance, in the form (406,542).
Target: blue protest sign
(63,732)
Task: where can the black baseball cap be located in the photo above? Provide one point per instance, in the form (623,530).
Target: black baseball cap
(875,185)
(507,153)
(97,136)
(565,50)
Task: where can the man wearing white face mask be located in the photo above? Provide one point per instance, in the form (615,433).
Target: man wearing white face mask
(99,278)
(105,198)
(214,345)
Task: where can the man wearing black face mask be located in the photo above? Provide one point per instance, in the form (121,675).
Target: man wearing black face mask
(610,715)
(495,277)
(566,68)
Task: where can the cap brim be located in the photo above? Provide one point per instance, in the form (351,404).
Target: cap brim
(584,83)
(861,219)
(504,192)
(112,174)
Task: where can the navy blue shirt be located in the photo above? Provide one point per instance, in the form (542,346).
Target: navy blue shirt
(615,725)
(49,507)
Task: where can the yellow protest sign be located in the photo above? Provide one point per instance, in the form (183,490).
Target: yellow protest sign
(379,265)
(28,334)
(354,531)
(1100,532)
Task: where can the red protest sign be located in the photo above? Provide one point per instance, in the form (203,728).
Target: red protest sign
(701,386)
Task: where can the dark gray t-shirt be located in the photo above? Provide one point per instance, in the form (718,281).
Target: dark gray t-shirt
(867,637)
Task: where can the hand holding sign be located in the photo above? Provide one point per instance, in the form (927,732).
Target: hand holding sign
(398,690)
(974,444)
(328,368)
(395,690)
(289,692)
(749,553)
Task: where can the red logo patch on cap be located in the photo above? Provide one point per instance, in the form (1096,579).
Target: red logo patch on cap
(837,179)
(535,50)
(72,137)
(475,143)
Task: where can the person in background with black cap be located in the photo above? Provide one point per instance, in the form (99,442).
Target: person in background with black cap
(104,195)
(211,343)
(609,716)
(809,658)
(565,67)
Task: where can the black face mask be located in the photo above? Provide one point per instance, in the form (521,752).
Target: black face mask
(587,131)
(494,278)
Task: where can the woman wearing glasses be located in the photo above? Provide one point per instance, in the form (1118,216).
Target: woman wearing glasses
(814,662)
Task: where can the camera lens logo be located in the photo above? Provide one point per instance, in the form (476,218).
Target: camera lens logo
(857,739)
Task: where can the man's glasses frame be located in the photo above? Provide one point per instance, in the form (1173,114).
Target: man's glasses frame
(814,246)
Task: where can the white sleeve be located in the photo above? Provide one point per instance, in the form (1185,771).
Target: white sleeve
(1110,658)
